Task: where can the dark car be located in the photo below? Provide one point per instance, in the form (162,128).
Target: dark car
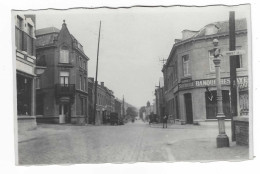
(114,119)
(153,118)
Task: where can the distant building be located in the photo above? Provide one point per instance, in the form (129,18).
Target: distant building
(25,70)
(62,90)
(159,100)
(189,73)
(105,103)
(118,107)
(91,87)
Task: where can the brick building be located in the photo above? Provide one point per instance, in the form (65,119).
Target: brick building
(62,90)
(189,73)
(25,70)
(105,103)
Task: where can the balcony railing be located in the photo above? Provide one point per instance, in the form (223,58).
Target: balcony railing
(24,41)
(65,90)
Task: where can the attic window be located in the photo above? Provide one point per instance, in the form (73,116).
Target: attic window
(212,29)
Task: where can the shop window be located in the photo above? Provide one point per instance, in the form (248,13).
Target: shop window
(186,68)
(64,55)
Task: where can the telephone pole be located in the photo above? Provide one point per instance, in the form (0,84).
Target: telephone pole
(95,101)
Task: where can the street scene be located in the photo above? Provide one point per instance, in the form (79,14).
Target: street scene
(133,85)
(133,142)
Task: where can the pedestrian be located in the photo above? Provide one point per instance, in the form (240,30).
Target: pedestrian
(165,118)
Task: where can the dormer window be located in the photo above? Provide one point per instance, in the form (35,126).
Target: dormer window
(212,29)
(64,55)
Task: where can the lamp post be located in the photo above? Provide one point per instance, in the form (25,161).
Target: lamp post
(222,138)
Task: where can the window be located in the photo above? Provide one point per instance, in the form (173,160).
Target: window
(84,65)
(30,30)
(19,22)
(80,62)
(19,34)
(64,78)
(211,63)
(64,55)
(85,84)
(186,71)
(37,83)
(239,59)
(82,106)
(80,82)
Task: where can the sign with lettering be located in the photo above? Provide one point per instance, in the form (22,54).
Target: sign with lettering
(242,82)
(233,53)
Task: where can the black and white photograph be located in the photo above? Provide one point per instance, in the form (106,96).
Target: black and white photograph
(137,84)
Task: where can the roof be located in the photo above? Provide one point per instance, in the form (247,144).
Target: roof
(46,37)
(223,27)
(47,30)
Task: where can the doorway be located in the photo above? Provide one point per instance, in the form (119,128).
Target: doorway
(64,109)
(188,106)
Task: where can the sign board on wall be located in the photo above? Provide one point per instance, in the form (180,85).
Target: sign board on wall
(241,81)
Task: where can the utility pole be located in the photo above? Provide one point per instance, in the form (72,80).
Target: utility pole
(233,73)
(95,101)
(123,106)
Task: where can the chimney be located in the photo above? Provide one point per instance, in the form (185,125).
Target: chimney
(102,84)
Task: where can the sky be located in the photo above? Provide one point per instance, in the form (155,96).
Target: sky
(133,41)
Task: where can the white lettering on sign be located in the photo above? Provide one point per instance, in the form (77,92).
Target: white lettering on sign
(233,53)
(241,82)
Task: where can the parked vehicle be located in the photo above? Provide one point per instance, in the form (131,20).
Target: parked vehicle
(153,118)
(115,119)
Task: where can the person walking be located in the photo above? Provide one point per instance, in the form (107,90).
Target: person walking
(165,118)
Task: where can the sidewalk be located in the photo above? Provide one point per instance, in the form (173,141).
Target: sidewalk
(198,143)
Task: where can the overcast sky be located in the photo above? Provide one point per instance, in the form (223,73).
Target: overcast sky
(132,41)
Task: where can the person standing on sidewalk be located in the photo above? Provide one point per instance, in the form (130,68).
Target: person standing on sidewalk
(165,118)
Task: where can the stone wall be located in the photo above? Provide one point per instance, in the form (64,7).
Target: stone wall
(242,130)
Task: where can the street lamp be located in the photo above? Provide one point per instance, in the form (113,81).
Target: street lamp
(222,138)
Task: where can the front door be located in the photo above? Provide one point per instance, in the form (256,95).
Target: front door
(188,106)
(65,111)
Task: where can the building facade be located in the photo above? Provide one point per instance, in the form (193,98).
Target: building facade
(62,90)
(25,70)
(160,102)
(105,103)
(189,73)
(118,107)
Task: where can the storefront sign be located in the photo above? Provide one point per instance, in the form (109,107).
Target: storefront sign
(241,81)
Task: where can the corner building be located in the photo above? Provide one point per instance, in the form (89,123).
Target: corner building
(62,90)
(25,70)
(189,73)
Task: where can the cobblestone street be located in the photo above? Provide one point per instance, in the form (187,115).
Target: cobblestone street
(133,142)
